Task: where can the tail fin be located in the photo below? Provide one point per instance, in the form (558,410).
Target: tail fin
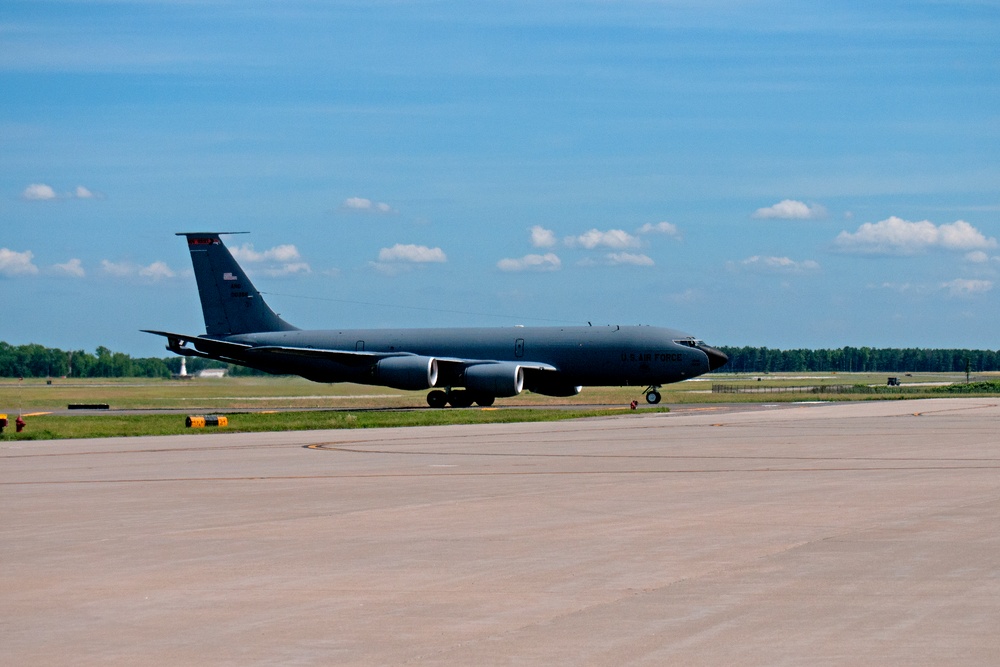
(229,301)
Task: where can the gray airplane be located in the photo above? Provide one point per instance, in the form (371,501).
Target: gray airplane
(459,366)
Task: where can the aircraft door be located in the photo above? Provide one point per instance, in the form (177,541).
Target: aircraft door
(359,346)
(519,348)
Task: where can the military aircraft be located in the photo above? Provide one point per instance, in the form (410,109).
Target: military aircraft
(460,366)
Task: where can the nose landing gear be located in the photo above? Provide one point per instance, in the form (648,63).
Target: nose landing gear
(653,394)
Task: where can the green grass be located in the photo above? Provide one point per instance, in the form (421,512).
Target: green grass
(971,388)
(49,427)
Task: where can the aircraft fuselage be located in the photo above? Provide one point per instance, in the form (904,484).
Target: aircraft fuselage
(603,355)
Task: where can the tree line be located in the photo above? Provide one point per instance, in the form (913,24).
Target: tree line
(859,360)
(37,361)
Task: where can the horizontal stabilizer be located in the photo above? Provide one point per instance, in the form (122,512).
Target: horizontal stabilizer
(178,343)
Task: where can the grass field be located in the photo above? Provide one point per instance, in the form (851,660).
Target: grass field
(47,427)
(248,401)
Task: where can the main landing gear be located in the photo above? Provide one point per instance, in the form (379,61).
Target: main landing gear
(458,398)
(653,394)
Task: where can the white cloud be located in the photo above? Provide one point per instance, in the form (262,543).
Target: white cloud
(282,253)
(72,268)
(547,262)
(667,228)
(13,263)
(281,260)
(542,238)
(404,257)
(771,264)
(359,203)
(43,192)
(288,269)
(39,192)
(963,288)
(960,235)
(417,254)
(117,270)
(897,236)
(960,287)
(897,287)
(615,258)
(154,272)
(689,295)
(365,205)
(613,238)
(790,209)
(279,253)
(977,257)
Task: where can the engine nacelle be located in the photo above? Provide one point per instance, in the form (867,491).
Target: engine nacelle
(407,372)
(501,380)
(555,389)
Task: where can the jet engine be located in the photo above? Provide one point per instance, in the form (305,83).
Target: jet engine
(501,380)
(554,388)
(407,372)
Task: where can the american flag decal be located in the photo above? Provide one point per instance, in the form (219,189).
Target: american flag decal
(228,276)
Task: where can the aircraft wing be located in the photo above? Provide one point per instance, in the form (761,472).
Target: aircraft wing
(360,357)
(350,357)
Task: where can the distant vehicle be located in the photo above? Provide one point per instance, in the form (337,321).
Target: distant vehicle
(460,366)
(893,382)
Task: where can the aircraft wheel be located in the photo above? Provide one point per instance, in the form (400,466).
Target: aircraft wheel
(485,401)
(460,399)
(653,397)
(437,399)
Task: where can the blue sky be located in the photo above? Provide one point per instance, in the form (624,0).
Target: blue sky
(786,174)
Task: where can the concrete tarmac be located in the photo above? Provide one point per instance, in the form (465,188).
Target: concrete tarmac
(833,534)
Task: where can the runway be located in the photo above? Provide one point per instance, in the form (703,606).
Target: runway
(827,534)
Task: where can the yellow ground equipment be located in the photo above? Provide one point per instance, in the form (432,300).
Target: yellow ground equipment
(209,420)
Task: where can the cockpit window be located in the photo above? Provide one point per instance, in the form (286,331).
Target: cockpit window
(690,342)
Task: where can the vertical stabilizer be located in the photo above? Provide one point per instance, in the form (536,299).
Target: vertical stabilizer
(229,301)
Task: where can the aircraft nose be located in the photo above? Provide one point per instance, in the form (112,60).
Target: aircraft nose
(716,358)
